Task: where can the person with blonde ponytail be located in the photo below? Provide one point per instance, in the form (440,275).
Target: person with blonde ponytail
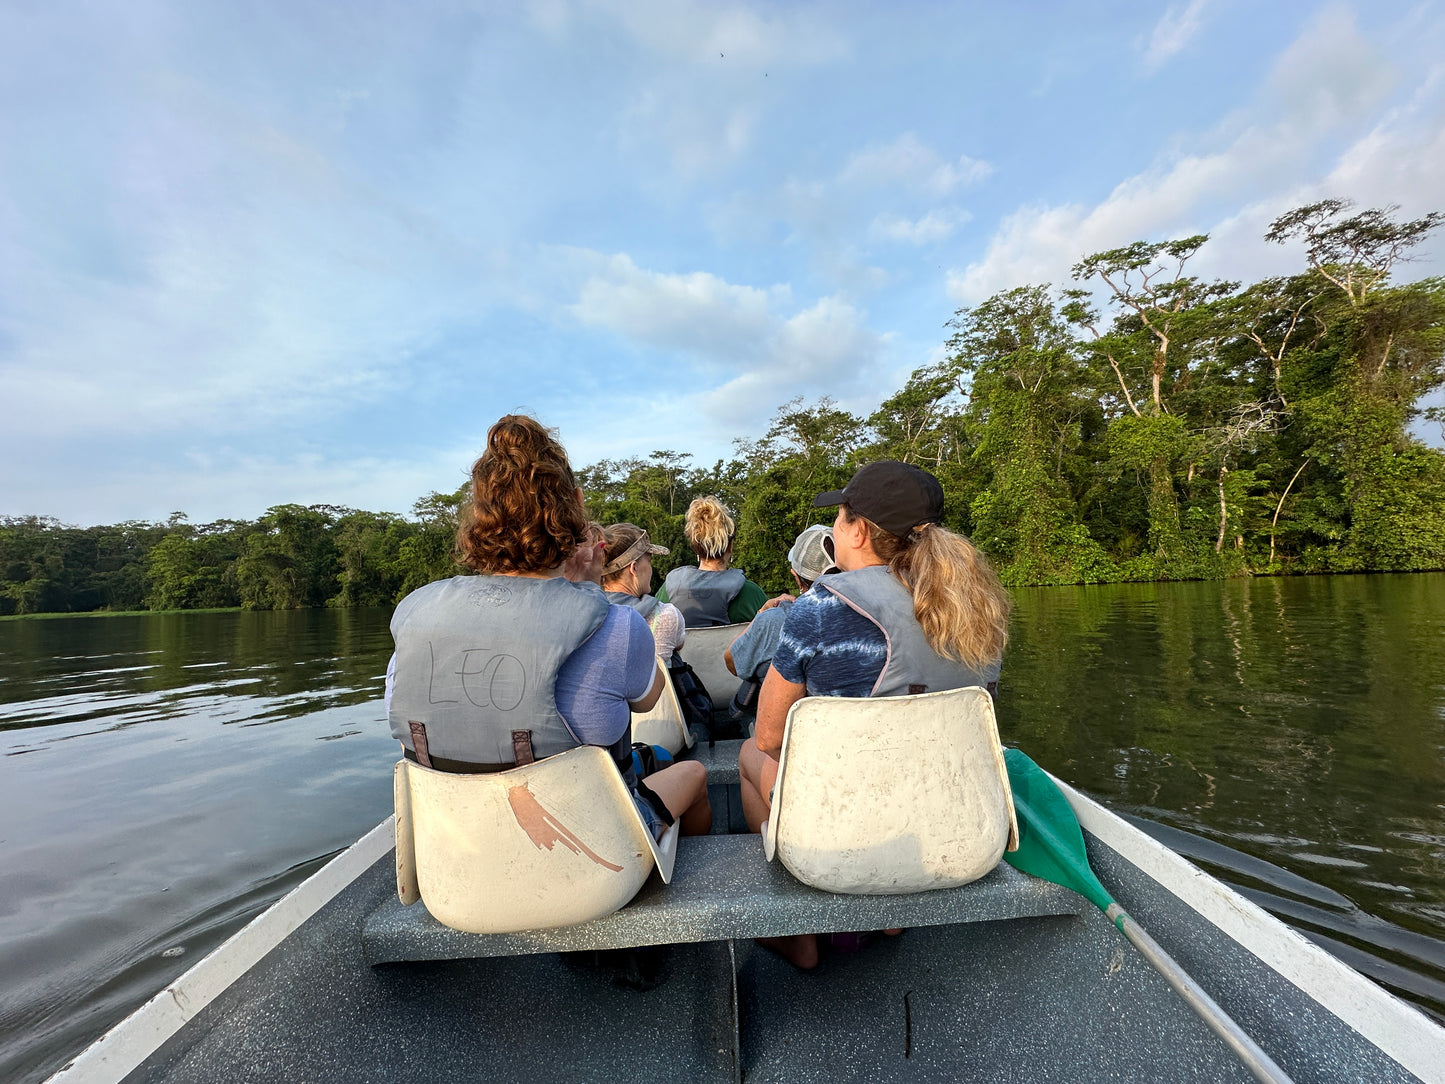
(519,662)
(712,592)
(915,608)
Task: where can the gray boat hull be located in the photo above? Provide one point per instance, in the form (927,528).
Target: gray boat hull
(1036,999)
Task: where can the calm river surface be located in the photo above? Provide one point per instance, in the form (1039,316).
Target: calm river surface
(165,777)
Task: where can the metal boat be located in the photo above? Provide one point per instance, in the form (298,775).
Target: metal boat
(1006,979)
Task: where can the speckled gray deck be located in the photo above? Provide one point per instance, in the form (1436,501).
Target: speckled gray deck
(312,1011)
(1035,999)
(722,889)
(720,760)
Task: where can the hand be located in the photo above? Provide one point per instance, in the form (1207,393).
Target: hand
(774,601)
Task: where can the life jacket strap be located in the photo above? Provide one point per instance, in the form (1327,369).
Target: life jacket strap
(522,747)
(418,741)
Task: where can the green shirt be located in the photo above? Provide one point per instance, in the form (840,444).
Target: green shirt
(743,608)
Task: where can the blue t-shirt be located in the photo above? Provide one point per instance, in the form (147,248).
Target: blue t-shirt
(830,647)
(759,640)
(616,664)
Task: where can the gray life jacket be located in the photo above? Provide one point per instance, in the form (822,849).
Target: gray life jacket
(477,658)
(646,605)
(912,666)
(704,597)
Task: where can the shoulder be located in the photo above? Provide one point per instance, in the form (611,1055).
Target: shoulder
(624,621)
(812,606)
(752,591)
(820,617)
(620,636)
(428,595)
(770,619)
(765,623)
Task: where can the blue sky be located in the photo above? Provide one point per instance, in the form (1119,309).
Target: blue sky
(268,252)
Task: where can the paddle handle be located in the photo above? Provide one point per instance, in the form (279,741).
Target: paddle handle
(1220,1022)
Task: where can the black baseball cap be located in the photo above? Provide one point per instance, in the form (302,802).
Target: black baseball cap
(896,496)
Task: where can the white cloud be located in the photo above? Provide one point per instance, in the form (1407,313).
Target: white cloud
(740,332)
(703,132)
(1174,30)
(908,162)
(696,313)
(936,225)
(1321,87)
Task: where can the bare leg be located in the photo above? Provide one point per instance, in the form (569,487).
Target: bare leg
(683,789)
(757,772)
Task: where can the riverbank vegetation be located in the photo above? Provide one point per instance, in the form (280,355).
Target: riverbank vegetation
(1139,423)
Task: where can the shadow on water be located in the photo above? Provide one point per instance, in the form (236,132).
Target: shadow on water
(168,776)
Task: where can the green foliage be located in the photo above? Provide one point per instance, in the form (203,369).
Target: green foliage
(1143,424)
(196,568)
(48,567)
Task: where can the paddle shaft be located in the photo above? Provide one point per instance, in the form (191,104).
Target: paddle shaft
(1221,1023)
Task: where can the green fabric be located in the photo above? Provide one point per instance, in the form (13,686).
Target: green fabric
(1051,844)
(743,608)
(749,601)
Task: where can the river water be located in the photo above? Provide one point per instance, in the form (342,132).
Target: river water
(165,777)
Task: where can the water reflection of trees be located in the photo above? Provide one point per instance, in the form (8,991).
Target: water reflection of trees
(134,668)
(1299,719)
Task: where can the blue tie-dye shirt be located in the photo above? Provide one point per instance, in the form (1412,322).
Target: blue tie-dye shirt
(830,647)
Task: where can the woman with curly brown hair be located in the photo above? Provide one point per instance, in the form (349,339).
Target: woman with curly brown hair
(518,663)
(712,593)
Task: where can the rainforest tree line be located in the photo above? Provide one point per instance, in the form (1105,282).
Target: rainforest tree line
(1138,423)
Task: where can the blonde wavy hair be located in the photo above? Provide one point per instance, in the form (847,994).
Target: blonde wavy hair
(957,597)
(709,528)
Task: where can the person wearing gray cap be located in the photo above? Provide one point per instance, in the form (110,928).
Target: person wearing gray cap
(751,653)
(916,608)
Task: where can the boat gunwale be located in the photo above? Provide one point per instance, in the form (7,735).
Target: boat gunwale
(1386,1022)
(1389,1023)
(117,1053)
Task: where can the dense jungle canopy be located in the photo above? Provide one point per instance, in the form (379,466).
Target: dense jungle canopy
(1139,424)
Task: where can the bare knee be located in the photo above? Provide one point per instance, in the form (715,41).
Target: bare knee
(693,774)
(748,760)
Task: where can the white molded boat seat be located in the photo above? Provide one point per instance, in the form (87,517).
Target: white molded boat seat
(550,844)
(703,651)
(894,794)
(663,725)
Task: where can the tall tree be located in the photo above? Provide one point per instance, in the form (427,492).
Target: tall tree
(1028,399)
(1160,315)
(1387,347)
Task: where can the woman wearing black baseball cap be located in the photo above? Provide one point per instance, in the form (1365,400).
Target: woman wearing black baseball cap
(916,608)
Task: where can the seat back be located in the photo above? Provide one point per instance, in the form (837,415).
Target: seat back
(550,844)
(891,795)
(664,724)
(703,651)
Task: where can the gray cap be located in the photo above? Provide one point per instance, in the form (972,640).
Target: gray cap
(812,552)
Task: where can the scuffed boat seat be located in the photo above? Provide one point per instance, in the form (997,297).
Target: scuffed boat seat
(704,651)
(664,724)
